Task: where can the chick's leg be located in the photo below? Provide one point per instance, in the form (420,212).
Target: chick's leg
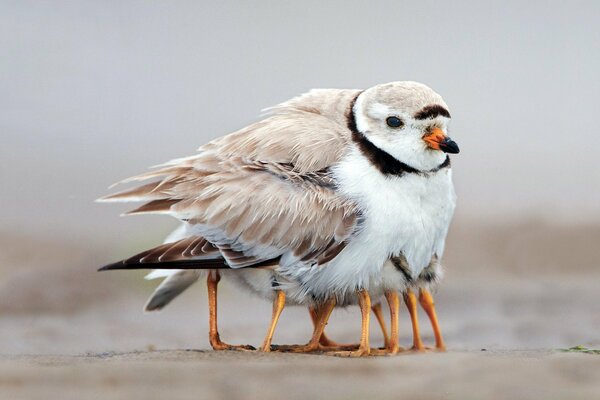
(394,304)
(324,341)
(323,313)
(428,305)
(213,334)
(379,315)
(278,305)
(364,301)
(411,303)
(393,343)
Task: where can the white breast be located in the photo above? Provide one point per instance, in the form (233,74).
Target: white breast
(409,214)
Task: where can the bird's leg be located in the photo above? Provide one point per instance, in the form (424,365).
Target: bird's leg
(394,304)
(411,303)
(213,334)
(364,301)
(379,315)
(393,343)
(278,305)
(324,341)
(428,305)
(323,313)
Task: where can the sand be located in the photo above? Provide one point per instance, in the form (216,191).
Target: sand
(232,375)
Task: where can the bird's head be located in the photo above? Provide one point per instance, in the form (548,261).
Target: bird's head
(407,120)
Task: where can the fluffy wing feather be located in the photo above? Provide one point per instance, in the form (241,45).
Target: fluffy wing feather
(262,191)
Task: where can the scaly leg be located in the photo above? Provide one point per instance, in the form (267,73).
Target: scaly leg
(278,305)
(324,341)
(379,315)
(411,303)
(323,314)
(428,305)
(394,304)
(364,301)
(213,334)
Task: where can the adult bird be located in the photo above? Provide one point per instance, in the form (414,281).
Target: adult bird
(324,192)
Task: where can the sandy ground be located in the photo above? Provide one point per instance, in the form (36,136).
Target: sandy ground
(512,296)
(230,375)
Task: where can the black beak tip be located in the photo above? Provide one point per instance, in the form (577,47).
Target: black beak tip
(449,146)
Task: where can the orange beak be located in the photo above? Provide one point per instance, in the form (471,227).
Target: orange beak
(437,140)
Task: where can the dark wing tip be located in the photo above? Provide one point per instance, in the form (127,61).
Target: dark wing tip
(113,266)
(213,263)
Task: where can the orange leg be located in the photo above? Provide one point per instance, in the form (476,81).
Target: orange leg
(278,305)
(428,305)
(394,304)
(323,314)
(324,341)
(411,303)
(379,315)
(364,301)
(213,334)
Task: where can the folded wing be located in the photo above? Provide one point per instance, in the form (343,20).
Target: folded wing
(257,194)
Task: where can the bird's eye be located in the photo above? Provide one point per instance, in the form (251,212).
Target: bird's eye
(394,122)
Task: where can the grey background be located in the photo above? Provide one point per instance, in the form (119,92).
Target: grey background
(95,91)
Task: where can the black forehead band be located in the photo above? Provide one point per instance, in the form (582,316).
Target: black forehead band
(432,111)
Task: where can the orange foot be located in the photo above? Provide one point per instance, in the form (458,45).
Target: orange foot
(319,347)
(219,346)
(388,351)
(426,349)
(360,352)
(329,345)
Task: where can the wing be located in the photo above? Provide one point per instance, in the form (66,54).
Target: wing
(263,191)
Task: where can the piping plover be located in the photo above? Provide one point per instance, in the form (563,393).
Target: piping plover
(324,192)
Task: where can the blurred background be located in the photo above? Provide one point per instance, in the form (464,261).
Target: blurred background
(93,92)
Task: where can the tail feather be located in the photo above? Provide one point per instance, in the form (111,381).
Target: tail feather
(170,288)
(159,273)
(180,255)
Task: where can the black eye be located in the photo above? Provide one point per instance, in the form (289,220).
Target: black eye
(394,122)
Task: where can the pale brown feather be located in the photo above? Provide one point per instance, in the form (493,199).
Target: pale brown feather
(155,207)
(175,251)
(265,185)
